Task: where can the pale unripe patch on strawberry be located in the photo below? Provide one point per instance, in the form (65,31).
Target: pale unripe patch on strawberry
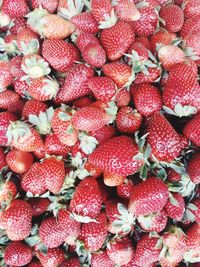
(4,20)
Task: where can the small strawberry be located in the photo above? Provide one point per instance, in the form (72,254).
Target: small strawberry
(116,156)
(124,190)
(193,236)
(85,22)
(147,98)
(17,254)
(53,146)
(175,207)
(191,130)
(86,38)
(17,218)
(190,26)
(161,38)
(106,133)
(94,55)
(151,76)
(5,119)
(173,17)
(101,259)
(33,107)
(113,42)
(193,167)
(19,161)
(75,85)
(162,138)
(94,171)
(93,234)
(122,98)
(50,6)
(126,10)
(60,54)
(191,8)
(35,264)
(144,41)
(39,205)
(86,200)
(128,120)
(15,8)
(120,251)
(8,98)
(21,87)
(53,258)
(143,197)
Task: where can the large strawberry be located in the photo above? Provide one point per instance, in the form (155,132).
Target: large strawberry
(142,201)
(192,130)
(162,138)
(116,156)
(15,9)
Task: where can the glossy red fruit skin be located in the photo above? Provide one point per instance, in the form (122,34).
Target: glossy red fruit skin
(101,259)
(5,119)
(14,8)
(17,254)
(190,26)
(71,262)
(8,192)
(193,168)
(146,197)
(53,258)
(162,138)
(85,22)
(112,40)
(38,205)
(147,98)
(175,212)
(124,190)
(19,161)
(116,156)
(107,132)
(8,98)
(33,107)
(192,130)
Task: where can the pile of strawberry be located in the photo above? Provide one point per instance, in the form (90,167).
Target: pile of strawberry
(99,133)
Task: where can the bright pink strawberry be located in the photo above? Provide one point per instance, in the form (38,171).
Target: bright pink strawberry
(190,26)
(53,258)
(191,8)
(192,130)
(175,207)
(193,167)
(101,259)
(15,8)
(85,22)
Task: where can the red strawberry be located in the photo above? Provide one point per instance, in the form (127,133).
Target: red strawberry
(82,102)
(35,264)
(162,138)
(191,8)
(75,85)
(147,22)
(119,72)
(33,107)
(39,205)
(147,98)
(2,158)
(17,218)
(143,197)
(85,39)
(53,146)
(19,161)
(190,26)
(27,41)
(17,24)
(193,167)
(101,259)
(93,234)
(8,98)
(169,55)
(86,200)
(122,98)
(33,181)
(192,130)
(113,41)
(192,46)
(17,107)
(6,77)
(173,176)
(53,258)
(71,262)
(193,236)
(5,119)
(140,49)
(94,55)
(173,17)
(120,251)
(146,251)
(126,10)
(128,120)
(161,38)
(175,207)
(50,6)
(150,77)
(144,41)
(15,67)
(116,156)
(124,190)
(20,87)
(60,55)
(85,22)
(15,8)
(94,171)
(106,133)
(8,191)
(17,254)
(193,209)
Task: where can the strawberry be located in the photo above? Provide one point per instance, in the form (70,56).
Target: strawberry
(62,127)
(9,44)
(128,120)
(53,146)
(17,254)
(74,261)
(113,179)
(153,222)
(151,76)
(140,49)
(94,171)
(191,46)
(21,87)
(50,6)
(93,234)
(38,205)
(175,207)
(16,25)
(147,98)
(192,210)
(85,22)
(54,172)
(17,218)
(144,41)
(142,201)
(106,133)
(161,38)
(162,138)
(191,130)
(120,251)
(126,10)
(193,236)
(86,200)
(35,264)
(8,192)
(173,17)
(94,55)
(101,259)
(119,72)
(124,190)
(75,85)
(15,67)
(53,258)
(103,88)
(191,8)
(147,22)
(5,119)
(89,119)
(86,38)
(122,98)
(33,107)
(116,156)
(60,54)
(82,102)
(2,159)
(6,77)
(33,181)
(50,26)
(113,41)
(146,251)
(190,26)
(19,161)
(15,8)
(8,98)
(193,167)
(169,55)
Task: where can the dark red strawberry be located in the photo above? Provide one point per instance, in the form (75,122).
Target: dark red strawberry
(192,130)
(193,236)
(39,205)
(71,262)
(82,102)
